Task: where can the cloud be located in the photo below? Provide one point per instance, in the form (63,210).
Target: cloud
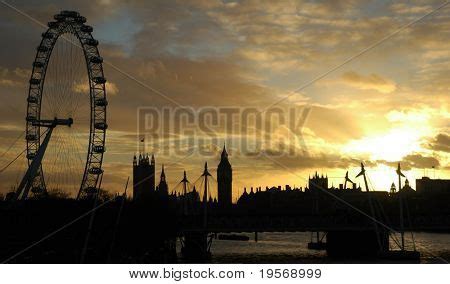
(414,116)
(8,83)
(13,78)
(440,143)
(252,53)
(403,8)
(80,87)
(419,161)
(413,161)
(320,161)
(369,82)
(111,88)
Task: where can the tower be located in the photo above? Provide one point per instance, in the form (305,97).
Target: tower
(224,180)
(318,183)
(393,189)
(143,176)
(153,174)
(163,188)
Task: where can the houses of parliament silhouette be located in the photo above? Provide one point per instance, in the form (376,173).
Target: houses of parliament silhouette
(144,186)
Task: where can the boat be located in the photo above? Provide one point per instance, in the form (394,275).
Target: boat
(317,245)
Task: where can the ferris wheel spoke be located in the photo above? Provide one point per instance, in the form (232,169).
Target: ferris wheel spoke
(66,166)
(57,160)
(78,146)
(49,163)
(78,162)
(68,171)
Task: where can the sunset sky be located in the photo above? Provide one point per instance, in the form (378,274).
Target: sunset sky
(387,105)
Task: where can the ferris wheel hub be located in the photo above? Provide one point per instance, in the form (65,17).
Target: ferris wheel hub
(51,123)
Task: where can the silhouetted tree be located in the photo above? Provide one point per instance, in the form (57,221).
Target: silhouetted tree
(57,193)
(104,195)
(10,195)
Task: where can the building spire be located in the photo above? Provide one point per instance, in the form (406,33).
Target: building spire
(184,177)
(163,188)
(205,172)
(224,154)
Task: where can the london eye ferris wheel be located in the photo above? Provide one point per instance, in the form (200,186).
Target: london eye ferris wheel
(66,111)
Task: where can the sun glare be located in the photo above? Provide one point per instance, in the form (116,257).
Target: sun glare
(392,146)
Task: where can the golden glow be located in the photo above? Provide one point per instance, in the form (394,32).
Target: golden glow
(382,176)
(391,146)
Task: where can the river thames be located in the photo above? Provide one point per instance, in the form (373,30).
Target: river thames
(292,248)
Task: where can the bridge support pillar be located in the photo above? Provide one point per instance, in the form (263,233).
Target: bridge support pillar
(357,243)
(196,247)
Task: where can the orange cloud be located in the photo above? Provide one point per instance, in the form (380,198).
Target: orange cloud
(111,88)
(369,82)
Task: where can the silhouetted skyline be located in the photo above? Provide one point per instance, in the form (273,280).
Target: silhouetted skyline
(388,105)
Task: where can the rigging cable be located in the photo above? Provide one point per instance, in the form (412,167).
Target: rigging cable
(10,146)
(15,159)
(10,163)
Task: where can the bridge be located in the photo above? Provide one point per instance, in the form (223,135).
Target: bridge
(249,224)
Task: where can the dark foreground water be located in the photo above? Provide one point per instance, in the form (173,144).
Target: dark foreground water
(292,248)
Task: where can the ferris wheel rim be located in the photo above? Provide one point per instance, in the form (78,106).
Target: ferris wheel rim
(70,22)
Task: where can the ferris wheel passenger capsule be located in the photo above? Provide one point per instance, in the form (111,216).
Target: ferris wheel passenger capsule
(95,171)
(38,64)
(59,17)
(34,81)
(86,29)
(96,59)
(42,48)
(47,35)
(52,25)
(101,102)
(72,14)
(99,80)
(91,42)
(32,100)
(80,19)
(101,125)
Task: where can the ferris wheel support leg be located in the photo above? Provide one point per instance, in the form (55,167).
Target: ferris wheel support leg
(29,176)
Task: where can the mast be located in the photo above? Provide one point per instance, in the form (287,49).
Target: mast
(347,179)
(205,194)
(345,182)
(116,226)
(185,182)
(402,226)
(372,210)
